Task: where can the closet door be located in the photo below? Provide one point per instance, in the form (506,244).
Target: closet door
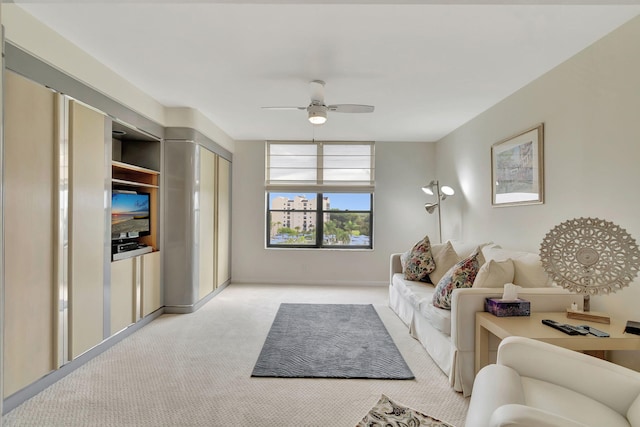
(29,215)
(123,293)
(223,226)
(151,287)
(87,176)
(207,212)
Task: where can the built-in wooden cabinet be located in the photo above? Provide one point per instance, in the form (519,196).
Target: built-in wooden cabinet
(67,296)
(135,289)
(151,298)
(86,205)
(64,296)
(29,204)
(207,219)
(215,221)
(135,274)
(223,222)
(123,288)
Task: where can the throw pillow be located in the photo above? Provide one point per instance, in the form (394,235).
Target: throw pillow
(494,274)
(527,268)
(446,258)
(461,275)
(420,262)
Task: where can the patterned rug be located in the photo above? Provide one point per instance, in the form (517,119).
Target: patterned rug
(330,341)
(387,413)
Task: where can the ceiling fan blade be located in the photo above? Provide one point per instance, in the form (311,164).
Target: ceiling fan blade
(351,108)
(317,91)
(284,108)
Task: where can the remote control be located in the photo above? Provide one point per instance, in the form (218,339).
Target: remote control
(567,329)
(594,331)
(582,329)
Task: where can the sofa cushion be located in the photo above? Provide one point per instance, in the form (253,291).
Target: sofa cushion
(461,275)
(445,257)
(413,291)
(438,318)
(528,270)
(494,274)
(420,296)
(420,262)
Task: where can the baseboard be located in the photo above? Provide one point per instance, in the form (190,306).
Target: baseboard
(190,308)
(21,396)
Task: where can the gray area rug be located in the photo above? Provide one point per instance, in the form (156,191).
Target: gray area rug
(330,341)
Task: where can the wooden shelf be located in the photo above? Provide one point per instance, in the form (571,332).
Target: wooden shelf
(133,176)
(128,167)
(132,183)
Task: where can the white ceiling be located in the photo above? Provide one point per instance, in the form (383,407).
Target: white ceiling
(427,66)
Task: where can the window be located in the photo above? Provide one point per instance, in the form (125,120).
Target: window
(340,220)
(320,194)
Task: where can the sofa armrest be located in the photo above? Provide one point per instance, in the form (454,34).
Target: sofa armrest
(395,266)
(467,301)
(515,415)
(613,385)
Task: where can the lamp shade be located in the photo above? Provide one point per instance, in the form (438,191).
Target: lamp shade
(430,207)
(447,190)
(428,189)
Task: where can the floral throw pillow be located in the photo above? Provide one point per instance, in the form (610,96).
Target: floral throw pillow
(460,275)
(420,261)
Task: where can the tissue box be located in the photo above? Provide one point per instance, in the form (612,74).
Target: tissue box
(505,308)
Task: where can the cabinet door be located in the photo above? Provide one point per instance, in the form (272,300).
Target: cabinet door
(207,212)
(223,229)
(87,174)
(151,290)
(123,290)
(29,215)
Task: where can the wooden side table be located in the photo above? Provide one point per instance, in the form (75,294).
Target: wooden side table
(532,327)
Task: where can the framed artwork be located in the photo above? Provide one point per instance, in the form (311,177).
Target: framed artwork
(517,169)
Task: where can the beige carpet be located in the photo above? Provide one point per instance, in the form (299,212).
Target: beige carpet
(194,370)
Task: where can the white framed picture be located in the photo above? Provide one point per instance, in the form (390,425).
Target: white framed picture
(517,169)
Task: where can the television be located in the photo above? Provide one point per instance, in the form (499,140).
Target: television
(130,215)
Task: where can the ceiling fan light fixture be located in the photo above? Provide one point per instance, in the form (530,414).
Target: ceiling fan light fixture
(317,114)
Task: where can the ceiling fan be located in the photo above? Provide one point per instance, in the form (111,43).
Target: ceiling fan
(317,109)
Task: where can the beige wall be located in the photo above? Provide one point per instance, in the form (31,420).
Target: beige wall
(399,221)
(590,106)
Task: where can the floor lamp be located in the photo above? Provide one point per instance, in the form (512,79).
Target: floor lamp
(434,188)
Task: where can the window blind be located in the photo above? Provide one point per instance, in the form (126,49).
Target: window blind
(320,166)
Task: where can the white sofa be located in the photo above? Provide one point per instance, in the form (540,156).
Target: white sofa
(537,384)
(449,335)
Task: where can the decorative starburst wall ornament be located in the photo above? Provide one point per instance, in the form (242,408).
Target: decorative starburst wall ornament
(590,256)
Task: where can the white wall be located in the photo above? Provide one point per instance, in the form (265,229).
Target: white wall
(590,106)
(399,221)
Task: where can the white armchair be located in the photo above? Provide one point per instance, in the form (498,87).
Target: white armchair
(539,384)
